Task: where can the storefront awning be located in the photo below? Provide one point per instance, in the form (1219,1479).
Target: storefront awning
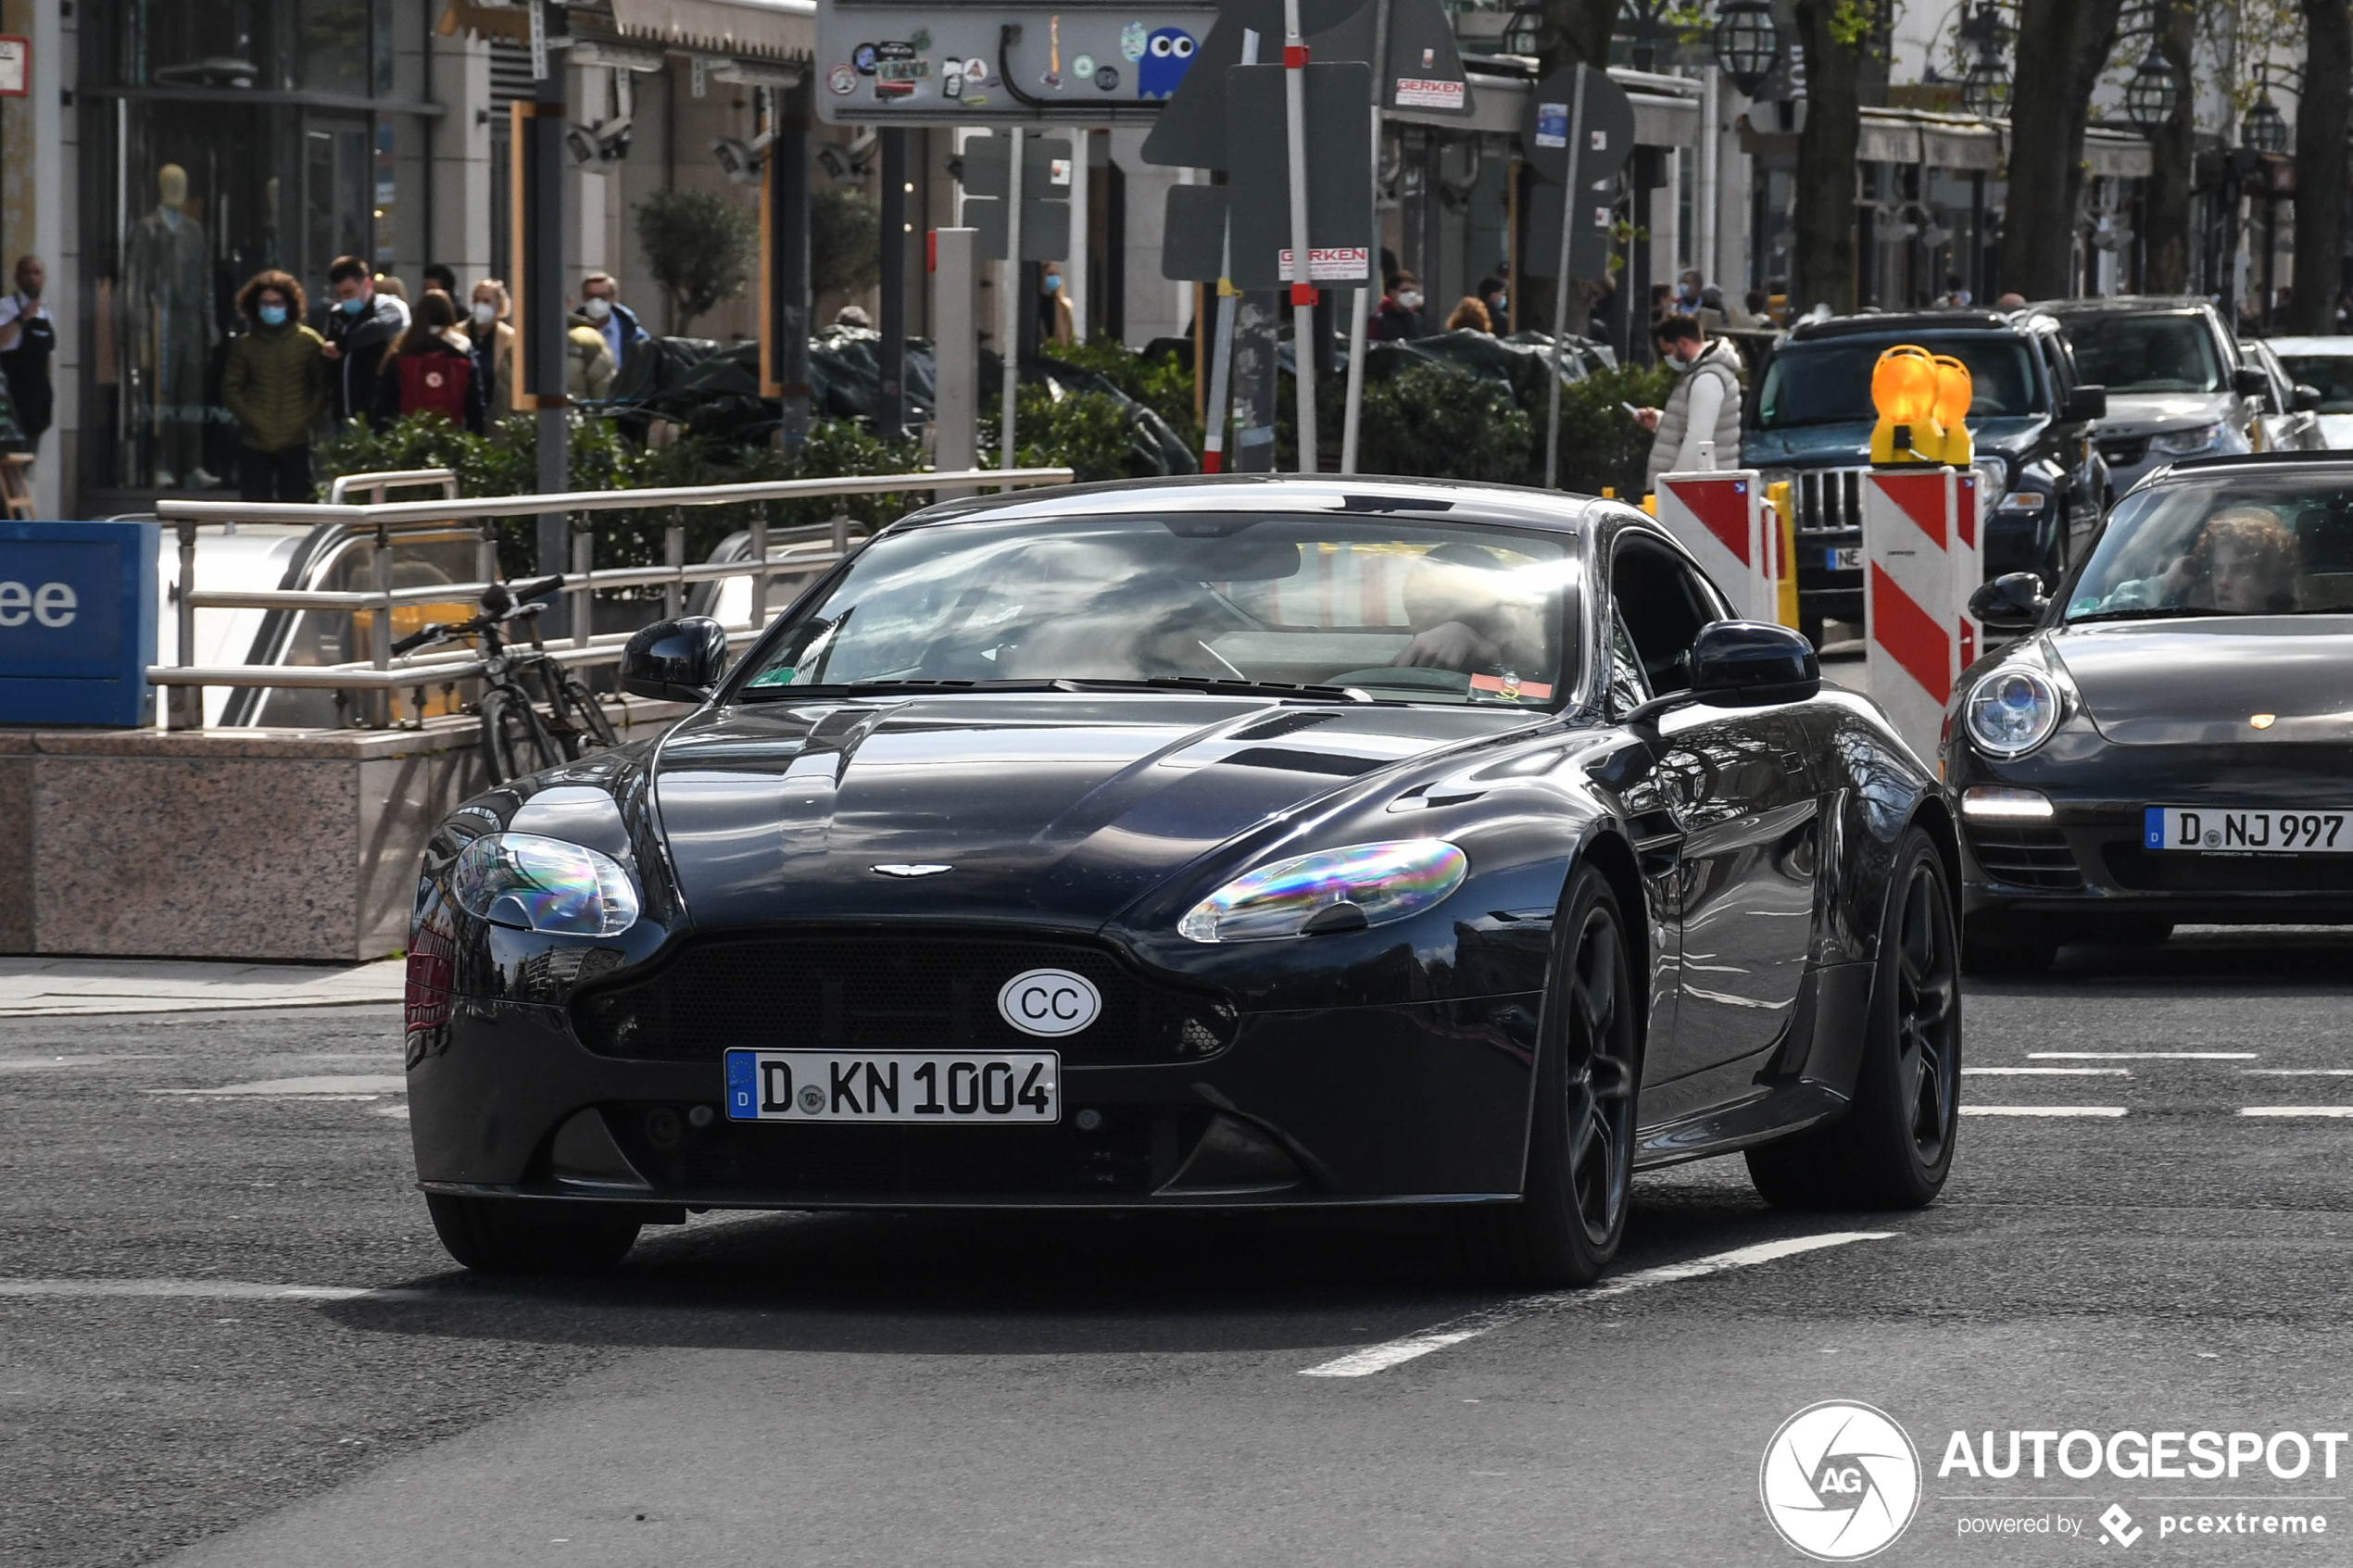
(1498,101)
(777,30)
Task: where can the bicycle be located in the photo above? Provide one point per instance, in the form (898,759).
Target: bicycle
(515,739)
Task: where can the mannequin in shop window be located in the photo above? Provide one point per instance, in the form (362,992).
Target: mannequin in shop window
(167,290)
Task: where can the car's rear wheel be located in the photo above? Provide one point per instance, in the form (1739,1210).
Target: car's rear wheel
(1571,1214)
(522,1236)
(1894,1146)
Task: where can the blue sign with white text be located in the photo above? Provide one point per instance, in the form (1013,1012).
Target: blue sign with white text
(77,622)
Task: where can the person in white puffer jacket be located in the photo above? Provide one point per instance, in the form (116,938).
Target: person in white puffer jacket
(1704,406)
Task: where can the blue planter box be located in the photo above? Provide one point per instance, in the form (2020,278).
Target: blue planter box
(77,622)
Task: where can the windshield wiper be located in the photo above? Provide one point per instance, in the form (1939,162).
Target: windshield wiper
(2146,612)
(1219,686)
(923,685)
(892,686)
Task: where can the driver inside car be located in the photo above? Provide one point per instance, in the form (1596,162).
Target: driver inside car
(2244,561)
(1468,615)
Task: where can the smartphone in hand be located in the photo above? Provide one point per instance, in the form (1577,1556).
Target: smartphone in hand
(1631,412)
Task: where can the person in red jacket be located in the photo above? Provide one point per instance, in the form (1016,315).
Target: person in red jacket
(432,371)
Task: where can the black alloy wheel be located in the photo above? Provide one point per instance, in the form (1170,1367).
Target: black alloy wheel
(514,740)
(1572,1213)
(1893,1147)
(524,1235)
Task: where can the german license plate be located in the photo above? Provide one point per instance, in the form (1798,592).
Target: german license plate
(1845,557)
(2233,830)
(940,1086)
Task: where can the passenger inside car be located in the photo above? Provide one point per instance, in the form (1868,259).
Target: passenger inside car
(2243,561)
(1466,617)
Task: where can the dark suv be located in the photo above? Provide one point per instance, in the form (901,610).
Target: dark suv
(1809,419)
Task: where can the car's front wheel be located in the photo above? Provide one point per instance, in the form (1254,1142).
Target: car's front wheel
(522,1236)
(1571,1214)
(1893,1147)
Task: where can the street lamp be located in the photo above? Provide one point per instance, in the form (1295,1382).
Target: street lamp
(1522,33)
(2265,128)
(2152,94)
(1986,89)
(1748,45)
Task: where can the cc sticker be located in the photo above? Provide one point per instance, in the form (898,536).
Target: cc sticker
(1049,1002)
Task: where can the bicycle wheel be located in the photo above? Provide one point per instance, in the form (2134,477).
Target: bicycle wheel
(513,741)
(580,725)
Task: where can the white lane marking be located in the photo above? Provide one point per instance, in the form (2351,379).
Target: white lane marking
(2292,1071)
(398,1112)
(2295,1111)
(338,1086)
(2142,1056)
(34,1063)
(199,1290)
(2042,1110)
(1380,1358)
(2049,1071)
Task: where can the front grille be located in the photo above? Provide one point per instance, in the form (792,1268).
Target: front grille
(1131,1151)
(2025,857)
(885,991)
(2143,872)
(1828,500)
(2125,451)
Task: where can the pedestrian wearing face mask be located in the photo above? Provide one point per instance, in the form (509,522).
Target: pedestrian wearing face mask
(1497,299)
(601,309)
(1400,316)
(274,384)
(488,324)
(362,324)
(1704,406)
(1055,322)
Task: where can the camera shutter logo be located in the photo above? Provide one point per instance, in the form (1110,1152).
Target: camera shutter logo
(1839,1481)
(1049,1002)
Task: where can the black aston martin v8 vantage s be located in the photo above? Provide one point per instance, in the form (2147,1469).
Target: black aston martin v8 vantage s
(2170,740)
(1233,843)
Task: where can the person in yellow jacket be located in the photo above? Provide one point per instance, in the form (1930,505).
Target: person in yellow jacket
(275,384)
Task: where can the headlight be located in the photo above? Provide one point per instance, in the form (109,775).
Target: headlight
(2185,442)
(533,883)
(2012,711)
(2019,501)
(1332,890)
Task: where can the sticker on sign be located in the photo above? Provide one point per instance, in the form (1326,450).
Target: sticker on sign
(1332,264)
(1551,125)
(1415,91)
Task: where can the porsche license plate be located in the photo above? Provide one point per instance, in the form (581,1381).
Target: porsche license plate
(1844,557)
(2209,830)
(938,1087)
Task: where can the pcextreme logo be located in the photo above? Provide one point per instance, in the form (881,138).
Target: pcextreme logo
(1839,1481)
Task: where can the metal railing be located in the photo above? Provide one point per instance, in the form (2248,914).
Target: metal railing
(375,485)
(383,674)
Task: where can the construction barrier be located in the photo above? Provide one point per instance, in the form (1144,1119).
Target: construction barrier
(1722,518)
(1922,558)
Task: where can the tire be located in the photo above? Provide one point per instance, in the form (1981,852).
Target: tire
(2138,932)
(522,1236)
(579,724)
(1571,1214)
(1809,625)
(1894,1146)
(514,740)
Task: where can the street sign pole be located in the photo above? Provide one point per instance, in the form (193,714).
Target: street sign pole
(1570,195)
(1351,421)
(1302,290)
(1213,415)
(1009,308)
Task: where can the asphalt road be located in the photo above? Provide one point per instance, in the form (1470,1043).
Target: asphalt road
(825,1390)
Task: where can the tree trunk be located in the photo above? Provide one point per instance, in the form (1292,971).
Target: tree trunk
(1575,32)
(2319,167)
(2165,214)
(2063,47)
(1822,248)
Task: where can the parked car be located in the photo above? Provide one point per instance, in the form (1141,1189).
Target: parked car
(2175,385)
(2324,364)
(1240,844)
(2289,419)
(1810,419)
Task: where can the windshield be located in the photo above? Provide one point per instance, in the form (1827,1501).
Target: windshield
(2255,544)
(2145,353)
(1399,609)
(1829,383)
(2331,374)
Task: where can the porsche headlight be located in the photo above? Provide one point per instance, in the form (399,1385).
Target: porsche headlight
(533,883)
(2012,711)
(2186,443)
(1332,890)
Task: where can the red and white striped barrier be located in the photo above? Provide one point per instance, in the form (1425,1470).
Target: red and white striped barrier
(1721,518)
(1922,558)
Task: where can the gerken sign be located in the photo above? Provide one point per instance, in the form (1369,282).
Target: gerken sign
(77,622)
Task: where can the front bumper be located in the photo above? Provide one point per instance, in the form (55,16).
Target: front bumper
(1414,1102)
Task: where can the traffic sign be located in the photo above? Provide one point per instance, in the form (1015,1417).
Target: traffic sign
(1340,176)
(1607,133)
(1045,206)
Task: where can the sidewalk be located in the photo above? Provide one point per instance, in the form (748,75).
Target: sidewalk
(36,987)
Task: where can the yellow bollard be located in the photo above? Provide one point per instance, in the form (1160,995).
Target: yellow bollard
(1777,496)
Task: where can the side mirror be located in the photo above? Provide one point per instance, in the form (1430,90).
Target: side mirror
(675,660)
(2249,381)
(1750,664)
(2305,400)
(2012,602)
(2085,404)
